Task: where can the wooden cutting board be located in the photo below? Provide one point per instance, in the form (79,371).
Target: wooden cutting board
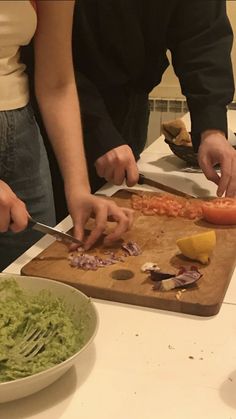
(156,235)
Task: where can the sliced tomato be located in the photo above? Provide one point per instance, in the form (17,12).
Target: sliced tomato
(220,211)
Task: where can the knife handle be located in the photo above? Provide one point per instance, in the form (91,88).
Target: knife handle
(141,180)
(31,222)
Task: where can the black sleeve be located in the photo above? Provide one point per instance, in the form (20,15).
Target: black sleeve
(200,42)
(100,134)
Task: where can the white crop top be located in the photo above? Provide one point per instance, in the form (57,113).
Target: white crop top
(18,22)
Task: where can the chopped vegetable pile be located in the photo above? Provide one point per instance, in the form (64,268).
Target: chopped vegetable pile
(217,211)
(167,205)
(88,262)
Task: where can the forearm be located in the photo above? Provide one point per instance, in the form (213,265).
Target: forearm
(56,90)
(57,98)
(59,107)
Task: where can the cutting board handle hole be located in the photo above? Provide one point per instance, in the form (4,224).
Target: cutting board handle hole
(122,274)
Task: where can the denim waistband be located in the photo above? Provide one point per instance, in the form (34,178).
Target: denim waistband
(8,116)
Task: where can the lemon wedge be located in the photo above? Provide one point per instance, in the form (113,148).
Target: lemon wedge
(198,246)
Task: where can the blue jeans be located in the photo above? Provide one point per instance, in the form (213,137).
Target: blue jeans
(24,167)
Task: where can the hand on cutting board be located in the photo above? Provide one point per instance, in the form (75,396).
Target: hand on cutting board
(215,149)
(82,206)
(118,165)
(13,213)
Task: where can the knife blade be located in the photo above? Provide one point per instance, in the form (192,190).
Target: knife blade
(143,180)
(58,234)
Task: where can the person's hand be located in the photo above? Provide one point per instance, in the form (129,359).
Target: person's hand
(13,212)
(215,149)
(82,206)
(118,165)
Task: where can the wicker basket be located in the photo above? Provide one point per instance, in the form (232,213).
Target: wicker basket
(184,152)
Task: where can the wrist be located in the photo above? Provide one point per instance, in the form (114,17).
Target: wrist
(77,188)
(211,133)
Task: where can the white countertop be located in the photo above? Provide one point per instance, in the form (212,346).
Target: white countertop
(138,366)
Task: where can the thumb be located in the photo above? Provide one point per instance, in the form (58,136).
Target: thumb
(209,171)
(132,174)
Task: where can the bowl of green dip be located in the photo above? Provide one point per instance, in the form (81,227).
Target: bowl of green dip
(33,303)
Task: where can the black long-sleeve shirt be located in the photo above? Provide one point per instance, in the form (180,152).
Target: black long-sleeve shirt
(122,44)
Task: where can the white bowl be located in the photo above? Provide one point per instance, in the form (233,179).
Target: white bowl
(12,390)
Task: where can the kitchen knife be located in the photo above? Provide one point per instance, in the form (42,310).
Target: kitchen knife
(143,180)
(59,235)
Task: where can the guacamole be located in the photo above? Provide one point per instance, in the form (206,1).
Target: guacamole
(20,314)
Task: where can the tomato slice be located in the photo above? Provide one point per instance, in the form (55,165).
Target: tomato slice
(221,211)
